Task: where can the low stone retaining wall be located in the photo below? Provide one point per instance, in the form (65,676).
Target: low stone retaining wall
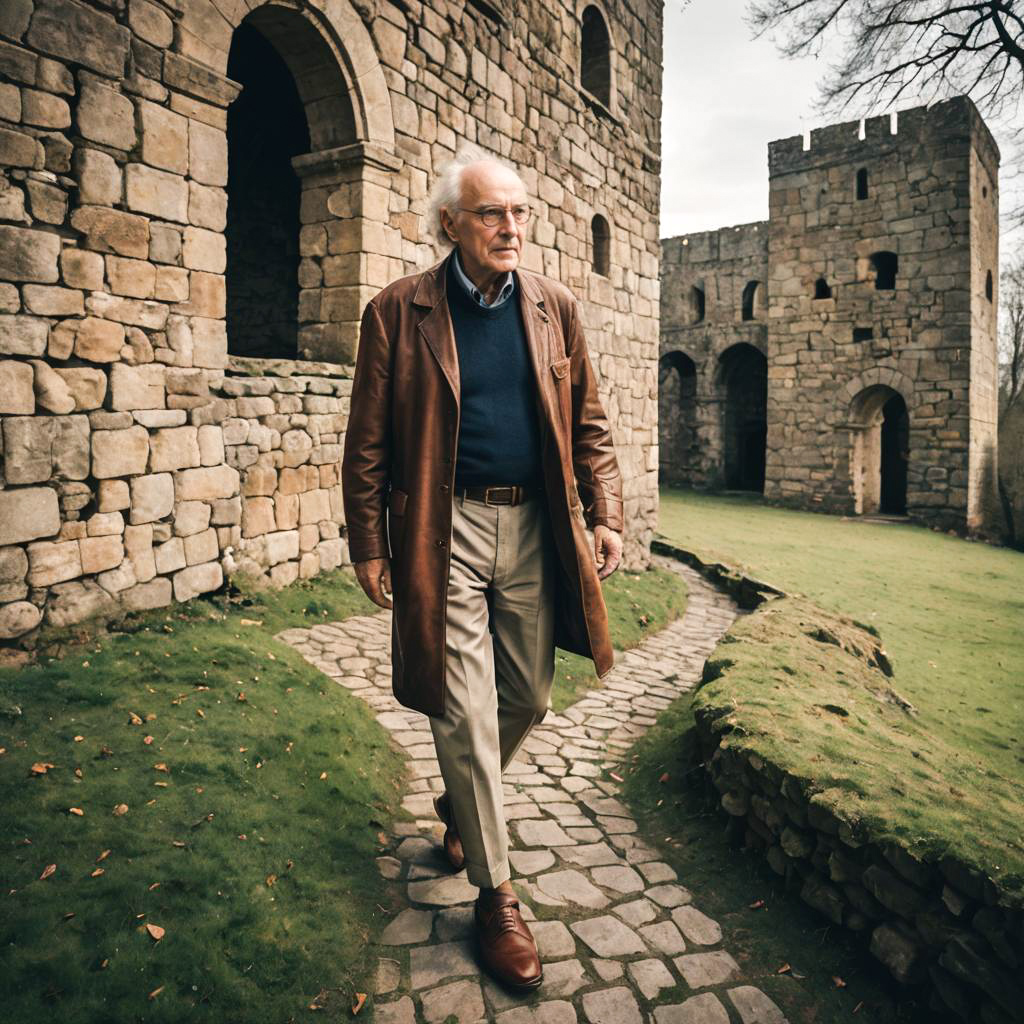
(943,926)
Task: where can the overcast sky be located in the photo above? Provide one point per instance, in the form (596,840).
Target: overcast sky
(725,97)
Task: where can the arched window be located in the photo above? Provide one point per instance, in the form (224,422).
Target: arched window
(822,289)
(988,286)
(697,303)
(596,56)
(749,304)
(862,183)
(885,266)
(601,237)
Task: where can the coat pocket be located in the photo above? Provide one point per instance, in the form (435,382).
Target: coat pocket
(560,369)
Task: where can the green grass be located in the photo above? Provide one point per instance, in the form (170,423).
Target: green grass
(950,614)
(639,604)
(686,822)
(255,927)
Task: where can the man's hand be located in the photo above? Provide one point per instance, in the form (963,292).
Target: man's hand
(607,551)
(374,577)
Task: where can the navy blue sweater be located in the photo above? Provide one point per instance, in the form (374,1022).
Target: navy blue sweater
(499,433)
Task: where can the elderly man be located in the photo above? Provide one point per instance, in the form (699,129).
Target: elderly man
(476,427)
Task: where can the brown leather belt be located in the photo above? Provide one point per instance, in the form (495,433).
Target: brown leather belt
(505,495)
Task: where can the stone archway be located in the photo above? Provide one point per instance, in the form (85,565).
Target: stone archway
(880,456)
(677,419)
(742,381)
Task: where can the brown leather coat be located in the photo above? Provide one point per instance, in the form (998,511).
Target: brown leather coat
(400,458)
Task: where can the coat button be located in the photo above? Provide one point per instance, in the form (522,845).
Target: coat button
(444,488)
(441,543)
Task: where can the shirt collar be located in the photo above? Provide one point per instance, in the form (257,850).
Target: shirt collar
(474,293)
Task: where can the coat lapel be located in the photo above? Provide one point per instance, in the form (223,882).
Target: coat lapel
(436,326)
(536,323)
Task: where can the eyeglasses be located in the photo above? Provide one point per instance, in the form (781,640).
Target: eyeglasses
(492,216)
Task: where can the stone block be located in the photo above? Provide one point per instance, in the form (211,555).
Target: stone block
(207,298)
(136,312)
(226,512)
(164,137)
(16,388)
(51,390)
(14,18)
(113,496)
(138,549)
(48,203)
(158,193)
(314,506)
(53,76)
(165,243)
(201,547)
(10,302)
(150,23)
(330,554)
(75,602)
(171,284)
(28,443)
(135,278)
(154,418)
(197,579)
(80,268)
(211,445)
(23,335)
(106,116)
(53,562)
(79,34)
(191,517)
(108,230)
(257,516)
(20,150)
(10,102)
(70,451)
(207,207)
(44,110)
(18,618)
(208,154)
(154,593)
(284,574)
(12,204)
(27,254)
(52,300)
(100,553)
(282,546)
(286,511)
(207,483)
(118,579)
(204,250)
(152,497)
(120,452)
(170,556)
(137,388)
(174,448)
(98,340)
(87,386)
(105,524)
(28,513)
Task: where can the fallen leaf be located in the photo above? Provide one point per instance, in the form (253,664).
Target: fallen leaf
(271,879)
(155,885)
(121,809)
(856,1009)
(250,622)
(67,917)
(156,992)
(756,905)
(106,752)
(200,712)
(161,767)
(134,718)
(155,931)
(103,963)
(838,982)
(162,785)
(664,777)
(78,739)
(151,717)
(41,767)
(103,856)
(240,697)
(615,776)
(357,1002)
(147,740)
(177,842)
(242,750)
(323,775)
(77,810)
(48,870)
(289,865)
(96,872)
(78,773)
(784,969)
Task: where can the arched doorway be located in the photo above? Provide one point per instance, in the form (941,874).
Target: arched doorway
(881,451)
(743,377)
(678,449)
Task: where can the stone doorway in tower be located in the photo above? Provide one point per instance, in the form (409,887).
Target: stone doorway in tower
(677,419)
(743,386)
(881,451)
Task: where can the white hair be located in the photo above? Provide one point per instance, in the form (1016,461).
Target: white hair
(447,190)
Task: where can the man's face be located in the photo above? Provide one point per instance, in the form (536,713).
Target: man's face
(488,251)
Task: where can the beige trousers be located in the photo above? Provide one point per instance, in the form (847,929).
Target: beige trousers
(499,662)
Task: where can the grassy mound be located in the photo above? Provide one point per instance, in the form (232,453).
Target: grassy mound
(639,604)
(211,804)
(799,685)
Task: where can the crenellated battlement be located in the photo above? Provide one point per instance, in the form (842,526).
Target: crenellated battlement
(730,242)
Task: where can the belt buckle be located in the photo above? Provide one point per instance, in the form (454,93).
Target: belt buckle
(487,495)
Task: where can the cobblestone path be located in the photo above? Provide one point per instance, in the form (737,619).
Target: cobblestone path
(622,939)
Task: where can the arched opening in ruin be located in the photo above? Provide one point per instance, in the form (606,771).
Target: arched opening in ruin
(697,302)
(743,378)
(885,266)
(862,183)
(596,55)
(881,451)
(678,449)
(601,239)
(750,304)
(285,295)
(822,289)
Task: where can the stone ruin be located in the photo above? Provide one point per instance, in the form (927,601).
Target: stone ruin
(197,199)
(842,354)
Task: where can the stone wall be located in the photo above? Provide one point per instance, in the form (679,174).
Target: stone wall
(138,466)
(841,343)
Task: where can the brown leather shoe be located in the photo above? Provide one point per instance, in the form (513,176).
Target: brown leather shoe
(506,945)
(452,842)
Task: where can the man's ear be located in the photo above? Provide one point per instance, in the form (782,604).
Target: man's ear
(447,223)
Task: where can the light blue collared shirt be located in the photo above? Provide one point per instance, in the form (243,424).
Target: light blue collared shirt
(475,294)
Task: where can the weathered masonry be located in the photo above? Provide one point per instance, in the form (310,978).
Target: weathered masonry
(197,198)
(842,354)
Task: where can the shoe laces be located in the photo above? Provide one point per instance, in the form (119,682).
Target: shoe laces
(503,918)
